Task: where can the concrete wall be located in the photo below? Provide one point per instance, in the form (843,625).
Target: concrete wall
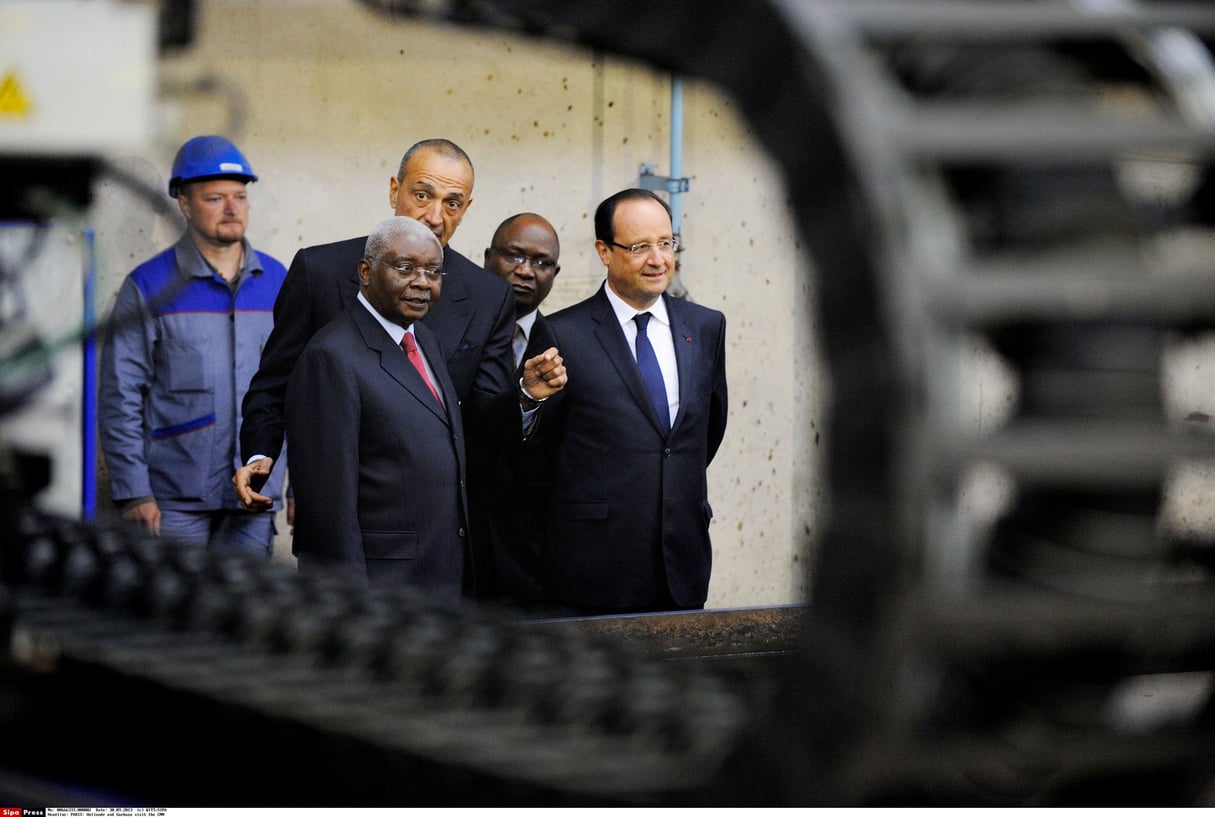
(323,97)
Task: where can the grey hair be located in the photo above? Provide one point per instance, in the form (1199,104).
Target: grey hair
(388,230)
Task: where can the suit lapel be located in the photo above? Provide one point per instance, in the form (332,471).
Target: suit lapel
(394,361)
(540,339)
(430,346)
(448,316)
(611,338)
(348,281)
(687,352)
(348,288)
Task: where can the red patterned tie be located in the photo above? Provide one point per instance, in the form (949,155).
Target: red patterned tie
(415,357)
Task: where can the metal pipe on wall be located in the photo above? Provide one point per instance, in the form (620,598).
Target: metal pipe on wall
(676,149)
(675,184)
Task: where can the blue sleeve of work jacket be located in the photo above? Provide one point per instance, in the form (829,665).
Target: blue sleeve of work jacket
(125,377)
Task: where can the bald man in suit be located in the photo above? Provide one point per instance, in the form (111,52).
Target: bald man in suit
(380,475)
(524,252)
(473,320)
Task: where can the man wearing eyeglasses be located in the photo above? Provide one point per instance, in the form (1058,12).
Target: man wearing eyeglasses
(523,252)
(473,320)
(377,441)
(626,525)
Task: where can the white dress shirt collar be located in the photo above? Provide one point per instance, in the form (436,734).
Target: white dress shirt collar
(527,322)
(626,313)
(395,330)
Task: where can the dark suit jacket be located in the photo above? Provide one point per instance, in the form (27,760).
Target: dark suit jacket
(379,474)
(628,507)
(514,502)
(473,319)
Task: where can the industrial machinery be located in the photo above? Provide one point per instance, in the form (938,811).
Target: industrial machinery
(967,175)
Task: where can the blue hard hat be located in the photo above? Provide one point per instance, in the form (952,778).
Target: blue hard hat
(208,157)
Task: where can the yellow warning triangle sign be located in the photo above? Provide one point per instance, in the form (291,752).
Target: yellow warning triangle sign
(13,101)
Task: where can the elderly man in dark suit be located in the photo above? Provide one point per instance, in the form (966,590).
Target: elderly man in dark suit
(524,252)
(374,416)
(473,320)
(632,434)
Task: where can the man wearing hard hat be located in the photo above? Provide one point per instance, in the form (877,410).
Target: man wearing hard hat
(185,339)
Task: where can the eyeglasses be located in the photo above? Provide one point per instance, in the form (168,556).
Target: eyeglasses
(409,272)
(666,246)
(516,260)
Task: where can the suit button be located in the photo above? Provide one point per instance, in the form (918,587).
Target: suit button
(666,452)
(461,533)
(461,483)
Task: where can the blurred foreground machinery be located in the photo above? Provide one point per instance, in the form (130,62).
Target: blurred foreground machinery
(976,181)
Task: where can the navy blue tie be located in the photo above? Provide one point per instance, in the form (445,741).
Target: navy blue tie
(647,362)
